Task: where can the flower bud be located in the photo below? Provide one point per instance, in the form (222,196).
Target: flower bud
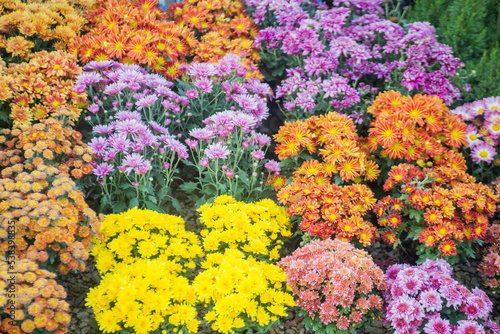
(204,162)
(224,167)
(166,165)
(135,184)
(229,174)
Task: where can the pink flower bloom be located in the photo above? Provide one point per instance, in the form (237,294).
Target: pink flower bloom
(135,184)
(146,101)
(191,143)
(431,300)
(258,154)
(469,327)
(229,174)
(205,85)
(103,169)
(483,152)
(166,165)
(192,94)
(217,151)
(94,108)
(204,162)
(438,326)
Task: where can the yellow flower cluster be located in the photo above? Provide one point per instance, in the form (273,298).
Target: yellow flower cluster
(55,22)
(241,292)
(144,234)
(253,228)
(144,296)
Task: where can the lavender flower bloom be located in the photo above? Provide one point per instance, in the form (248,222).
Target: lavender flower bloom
(273,166)
(202,69)
(98,145)
(103,169)
(119,142)
(146,101)
(178,148)
(202,133)
(205,85)
(98,65)
(131,126)
(144,167)
(158,128)
(124,115)
(88,78)
(94,108)
(246,122)
(115,88)
(217,151)
(258,154)
(103,129)
(132,162)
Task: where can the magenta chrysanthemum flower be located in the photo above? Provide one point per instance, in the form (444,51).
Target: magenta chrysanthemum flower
(178,148)
(94,108)
(205,85)
(438,326)
(245,121)
(473,136)
(119,142)
(102,170)
(258,154)
(431,300)
(144,167)
(98,65)
(131,162)
(158,128)
(469,327)
(217,151)
(102,129)
(115,88)
(483,152)
(88,78)
(131,76)
(246,102)
(411,285)
(273,166)
(452,295)
(192,94)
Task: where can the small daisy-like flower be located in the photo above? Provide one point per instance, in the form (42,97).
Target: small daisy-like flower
(483,152)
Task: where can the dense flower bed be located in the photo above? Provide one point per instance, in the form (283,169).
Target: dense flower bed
(114,111)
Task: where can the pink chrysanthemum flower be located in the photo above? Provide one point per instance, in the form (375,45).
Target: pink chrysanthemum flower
(473,136)
(483,152)
(217,151)
(469,327)
(438,326)
(431,300)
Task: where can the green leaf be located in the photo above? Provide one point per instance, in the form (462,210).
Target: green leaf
(189,187)
(134,202)
(176,204)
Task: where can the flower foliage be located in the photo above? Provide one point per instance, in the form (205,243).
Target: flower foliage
(242,294)
(141,235)
(416,129)
(40,25)
(331,138)
(40,303)
(427,298)
(483,130)
(133,32)
(42,87)
(490,265)
(337,286)
(221,27)
(328,209)
(446,212)
(254,228)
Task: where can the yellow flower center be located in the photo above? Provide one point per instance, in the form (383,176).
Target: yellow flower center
(473,137)
(483,154)
(496,127)
(447,248)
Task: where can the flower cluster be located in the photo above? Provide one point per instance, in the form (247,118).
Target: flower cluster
(133,32)
(427,298)
(328,209)
(418,128)
(143,296)
(490,266)
(143,234)
(242,294)
(337,286)
(54,222)
(142,257)
(40,25)
(221,27)
(445,212)
(333,139)
(42,87)
(254,228)
(334,56)
(483,130)
(233,153)
(40,304)
(49,142)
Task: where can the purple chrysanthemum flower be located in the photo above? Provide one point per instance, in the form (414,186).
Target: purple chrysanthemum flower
(131,162)
(158,128)
(115,88)
(88,78)
(103,129)
(452,295)
(132,126)
(155,80)
(246,102)
(217,151)
(119,142)
(98,145)
(94,108)
(146,101)
(178,148)
(245,121)
(124,115)
(144,167)
(411,285)
(131,76)
(98,65)
(102,170)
